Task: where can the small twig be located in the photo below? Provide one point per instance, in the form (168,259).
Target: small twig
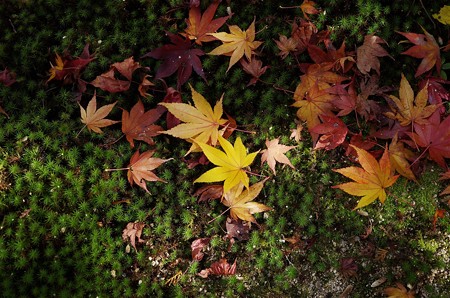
(12,25)
(218,215)
(423,6)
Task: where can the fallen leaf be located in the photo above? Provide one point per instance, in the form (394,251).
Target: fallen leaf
(237,43)
(172,96)
(399,156)
(107,80)
(348,267)
(440,213)
(95,119)
(436,92)
(409,109)
(209,192)
(138,125)
(68,69)
(286,46)
(178,57)
(367,54)
(198,26)
(253,68)
(399,292)
(371,180)
(201,122)
(307,8)
(144,86)
(230,164)
(275,153)
(219,268)
(296,133)
(133,231)
(425,48)
(332,130)
(378,282)
(141,166)
(7,77)
(237,228)
(444,15)
(240,202)
(197,247)
(445,176)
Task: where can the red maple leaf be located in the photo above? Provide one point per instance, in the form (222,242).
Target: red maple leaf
(178,56)
(333,131)
(138,125)
(426,48)
(434,137)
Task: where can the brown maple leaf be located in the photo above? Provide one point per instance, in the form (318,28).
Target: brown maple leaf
(144,86)
(209,192)
(254,68)
(409,109)
(138,125)
(133,231)
(426,48)
(197,247)
(198,26)
(348,267)
(95,119)
(367,54)
(108,82)
(141,166)
(286,46)
(275,153)
(445,176)
(307,8)
(221,267)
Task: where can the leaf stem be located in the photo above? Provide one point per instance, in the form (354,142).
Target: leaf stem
(218,215)
(118,169)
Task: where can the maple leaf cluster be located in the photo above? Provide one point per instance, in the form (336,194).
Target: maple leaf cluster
(338,83)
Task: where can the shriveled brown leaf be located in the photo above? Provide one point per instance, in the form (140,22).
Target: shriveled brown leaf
(133,231)
(237,228)
(209,192)
(221,267)
(197,247)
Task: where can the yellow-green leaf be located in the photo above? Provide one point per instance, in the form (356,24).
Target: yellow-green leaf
(230,163)
(444,15)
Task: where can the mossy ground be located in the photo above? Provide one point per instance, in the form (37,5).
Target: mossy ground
(70,243)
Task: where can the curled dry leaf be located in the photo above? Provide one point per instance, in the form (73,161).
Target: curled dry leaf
(108,82)
(209,192)
(197,247)
(221,267)
(133,231)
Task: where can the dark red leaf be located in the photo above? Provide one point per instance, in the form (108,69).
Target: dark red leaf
(172,95)
(237,228)
(178,56)
(436,92)
(333,131)
(7,77)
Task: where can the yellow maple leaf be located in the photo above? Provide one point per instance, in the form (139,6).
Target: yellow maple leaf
(399,292)
(371,180)
(410,110)
(230,164)
(236,44)
(239,201)
(95,119)
(202,123)
(444,15)
(58,67)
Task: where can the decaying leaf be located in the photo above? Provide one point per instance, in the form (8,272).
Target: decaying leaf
(399,292)
(348,267)
(237,43)
(221,267)
(367,54)
(144,86)
(95,119)
(138,124)
(371,180)
(141,166)
(237,228)
(107,80)
(197,247)
(409,109)
(198,25)
(308,7)
(133,231)
(230,164)
(240,201)
(275,153)
(445,176)
(201,122)
(209,192)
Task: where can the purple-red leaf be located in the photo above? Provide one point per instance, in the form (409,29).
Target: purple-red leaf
(180,57)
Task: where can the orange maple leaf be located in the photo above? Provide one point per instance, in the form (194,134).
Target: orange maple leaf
(198,26)
(399,292)
(371,180)
(307,7)
(399,156)
(275,153)
(236,44)
(95,119)
(426,48)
